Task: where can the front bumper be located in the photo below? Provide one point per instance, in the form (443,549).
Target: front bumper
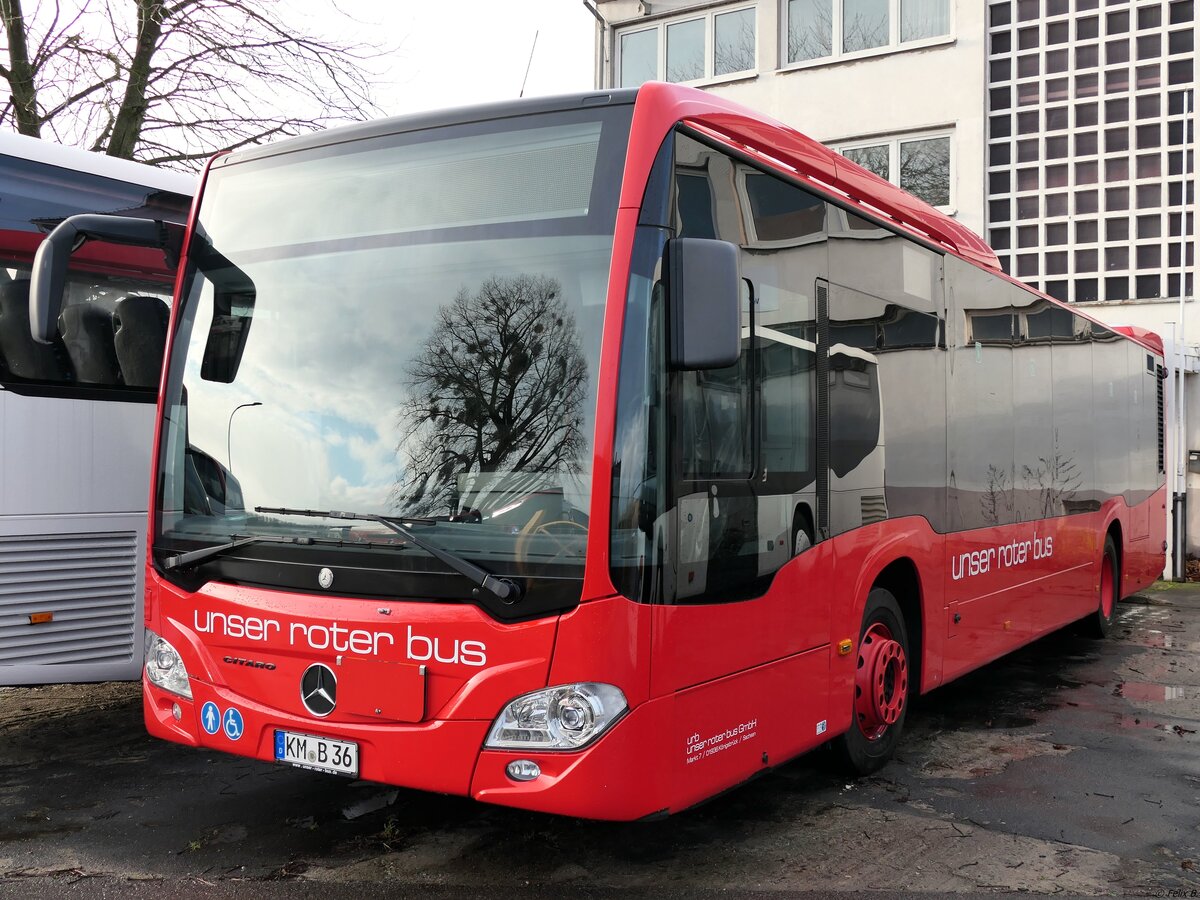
(612,778)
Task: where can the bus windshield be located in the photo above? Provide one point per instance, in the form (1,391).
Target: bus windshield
(404,325)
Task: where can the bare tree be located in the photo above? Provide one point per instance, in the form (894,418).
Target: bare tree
(865,24)
(876,158)
(924,166)
(997,503)
(172,82)
(498,387)
(925,169)
(1056,480)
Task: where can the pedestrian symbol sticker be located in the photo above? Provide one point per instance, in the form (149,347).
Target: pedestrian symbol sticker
(232,724)
(210,717)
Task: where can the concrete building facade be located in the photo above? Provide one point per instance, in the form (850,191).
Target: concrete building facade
(1059,130)
(882,105)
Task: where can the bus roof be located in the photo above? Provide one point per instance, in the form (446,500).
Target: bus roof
(460,115)
(75,159)
(774,143)
(782,147)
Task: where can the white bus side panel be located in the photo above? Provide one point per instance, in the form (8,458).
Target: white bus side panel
(63,457)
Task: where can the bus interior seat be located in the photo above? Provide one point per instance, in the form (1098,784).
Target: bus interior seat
(87,332)
(141,338)
(20,354)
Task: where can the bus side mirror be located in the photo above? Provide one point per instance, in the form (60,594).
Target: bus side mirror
(54,254)
(704,300)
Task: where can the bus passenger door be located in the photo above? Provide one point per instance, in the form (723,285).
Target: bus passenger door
(743,439)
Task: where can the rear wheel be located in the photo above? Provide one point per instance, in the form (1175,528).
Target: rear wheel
(881,688)
(1100,622)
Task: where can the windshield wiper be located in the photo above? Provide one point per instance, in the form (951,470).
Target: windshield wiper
(192,557)
(506,590)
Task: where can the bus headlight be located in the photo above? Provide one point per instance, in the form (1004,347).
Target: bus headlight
(164,666)
(558,718)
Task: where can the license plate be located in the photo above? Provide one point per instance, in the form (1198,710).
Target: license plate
(320,754)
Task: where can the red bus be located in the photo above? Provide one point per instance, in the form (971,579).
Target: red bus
(599,453)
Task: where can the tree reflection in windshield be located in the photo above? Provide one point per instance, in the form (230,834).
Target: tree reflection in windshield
(495,397)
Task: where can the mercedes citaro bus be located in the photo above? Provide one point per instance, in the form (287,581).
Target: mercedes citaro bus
(596,454)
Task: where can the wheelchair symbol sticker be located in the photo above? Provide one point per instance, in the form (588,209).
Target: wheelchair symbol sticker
(232,723)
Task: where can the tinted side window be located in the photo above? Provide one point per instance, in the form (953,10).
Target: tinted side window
(112,330)
(38,196)
(112,334)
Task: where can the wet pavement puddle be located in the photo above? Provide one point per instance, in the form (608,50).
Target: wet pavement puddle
(1155,693)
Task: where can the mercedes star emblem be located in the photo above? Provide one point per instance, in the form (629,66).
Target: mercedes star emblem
(318,690)
(325,578)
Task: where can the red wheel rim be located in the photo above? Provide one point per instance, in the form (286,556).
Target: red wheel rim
(881,683)
(1108,592)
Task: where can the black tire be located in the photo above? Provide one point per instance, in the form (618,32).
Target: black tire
(854,752)
(1099,623)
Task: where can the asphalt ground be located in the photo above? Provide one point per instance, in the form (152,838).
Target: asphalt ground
(1071,767)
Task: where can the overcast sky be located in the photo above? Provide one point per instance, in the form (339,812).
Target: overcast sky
(470,51)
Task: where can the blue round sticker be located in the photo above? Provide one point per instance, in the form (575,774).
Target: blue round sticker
(232,723)
(210,717)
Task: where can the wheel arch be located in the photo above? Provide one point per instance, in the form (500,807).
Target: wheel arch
(906,557)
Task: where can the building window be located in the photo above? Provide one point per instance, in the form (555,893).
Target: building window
(685,51)
(824,29)
(733,42)
(718,44)
(865,24)
(810,30)
(639,57)
(919,164)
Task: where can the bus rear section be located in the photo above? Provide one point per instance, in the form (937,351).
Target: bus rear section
(77,416)
(509,525)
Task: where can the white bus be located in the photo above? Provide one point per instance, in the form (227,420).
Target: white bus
(77,416)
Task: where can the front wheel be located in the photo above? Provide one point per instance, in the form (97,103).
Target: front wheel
(1100,622)
(881,688)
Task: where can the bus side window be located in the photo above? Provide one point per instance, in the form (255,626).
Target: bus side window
(20,355)
(112,334)
(786,409)
(695,206)
(854,412)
